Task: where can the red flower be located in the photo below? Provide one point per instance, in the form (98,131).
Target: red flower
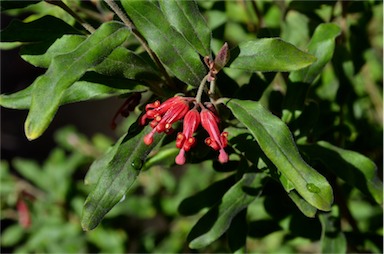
(185,140)
(164,115)
(215,140)
(23,213)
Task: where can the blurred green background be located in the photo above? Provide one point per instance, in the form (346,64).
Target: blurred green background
(46,176)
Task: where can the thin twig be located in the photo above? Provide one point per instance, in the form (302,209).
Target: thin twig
(201,88)
(63,6)
(141,39)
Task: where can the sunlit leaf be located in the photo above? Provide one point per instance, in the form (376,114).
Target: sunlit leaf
(90,87)
(218,219)
(321,46)
(169,45)
(126,64)
(354,168)
(269,55)
(187,19)
(277,143)
(65,70)
(118,176)
(41,54)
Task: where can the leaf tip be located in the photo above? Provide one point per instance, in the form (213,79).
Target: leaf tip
(30,133)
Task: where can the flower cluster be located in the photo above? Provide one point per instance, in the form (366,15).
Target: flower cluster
(163,115)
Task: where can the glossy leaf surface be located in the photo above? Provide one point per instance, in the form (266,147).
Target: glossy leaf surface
(67,69)
(82,90)
(169,45)
(214,223)
(100,164)
(187,19)
(41,54)
(277,143)
(354,168)
(322,46)
(126,64)
(269,55)
(118,176)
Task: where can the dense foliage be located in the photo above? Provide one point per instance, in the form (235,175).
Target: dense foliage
(252,126)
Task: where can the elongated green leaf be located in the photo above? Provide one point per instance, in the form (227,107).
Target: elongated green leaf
(32,171)
(169,45)
(187,19)
(269,55)
(65,70)
(322,46)
(207,197)
(45,28)
(99,165)
(277,143)
(12,235)
(90,87)
(354,168)
(215,222)
(119,175)
(41,54)
(303,205)
(332,238)
(126,64)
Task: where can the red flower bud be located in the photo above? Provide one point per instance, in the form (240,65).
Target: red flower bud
(215,140)
(185,140)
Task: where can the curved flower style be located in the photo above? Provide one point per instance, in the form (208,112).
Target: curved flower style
(164,115)
(215,140)
(185,139)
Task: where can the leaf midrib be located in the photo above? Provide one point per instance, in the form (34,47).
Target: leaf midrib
(170,43)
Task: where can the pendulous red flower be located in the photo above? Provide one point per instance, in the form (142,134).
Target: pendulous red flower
(185,139)
(163,115)
(215,140)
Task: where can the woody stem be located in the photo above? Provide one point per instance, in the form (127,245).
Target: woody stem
(201,88)
(141,39)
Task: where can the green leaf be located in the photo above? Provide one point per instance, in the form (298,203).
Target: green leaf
(12,235)
(218,219)
(90,87)
(65,70)
(277,143)
(322,46)
(170,46)
(186,18)
(269,55)
(30,170)
(99,165)
(126,64)
(41,54)
(354,168)
(118,176)
(207,197)
(303,205)
(45,28)
(332,238)
(165,157)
